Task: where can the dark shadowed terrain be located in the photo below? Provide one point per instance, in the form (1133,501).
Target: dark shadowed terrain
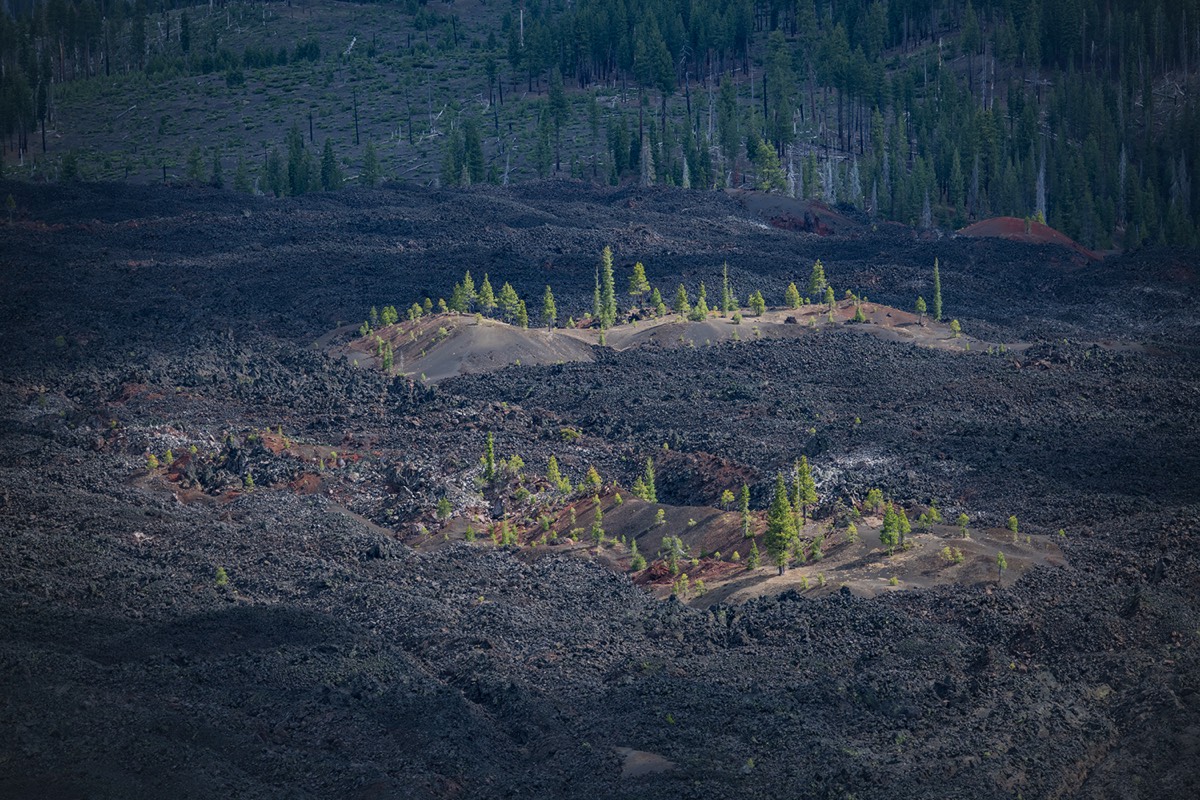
(354,646)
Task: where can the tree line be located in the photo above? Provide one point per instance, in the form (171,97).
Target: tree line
(928,112)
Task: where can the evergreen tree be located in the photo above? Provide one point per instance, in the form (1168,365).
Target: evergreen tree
(486,296)
(560,111)
(781,526)
(728,123)
(185,33)
(728,300)
(1001,565)
(241,177)
(638,285)
(672,551)
(770,173)
(608,295)
(648,481)
(889,535)
(656,302)
(370,169)
(195,166)
(299,164)
(791,297)
(597,303)
(816,281)
(553,475)
(468,288)
(331,177)
(274,173)
(758,305)
(937,292)
(921,309)
(637,562)
(682,306)
(754,559)
(830,299)
(805,488)
(592,479)
(700,310)
(508,302)
(543,154)
(639,488)
(549,309)
(522,315)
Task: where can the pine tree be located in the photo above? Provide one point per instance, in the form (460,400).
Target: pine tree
(672,551)
(468,285)
(648,480)
(781,526)
(331,177)
(508,302)
(549,309)
(639,487)
(682,306)
(637,561)
(937,292)
(791,297)
(458,299)
(370,168)
(830,299)
(753,560)
(904,527)
(489,460)
(889,535)
(592,479)
(921,309)
(700,311)
(486,297)
(816,281)
(770,173)
(241,177)
(638,285)
(758,306)
(553,475)
(608,296)
(728,300)
(522,315)
(656,302)
(597,304)
(1001,565)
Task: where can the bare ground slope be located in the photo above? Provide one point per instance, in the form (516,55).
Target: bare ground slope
(336,661)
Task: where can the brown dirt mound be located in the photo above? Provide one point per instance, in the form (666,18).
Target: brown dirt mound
(1018,230)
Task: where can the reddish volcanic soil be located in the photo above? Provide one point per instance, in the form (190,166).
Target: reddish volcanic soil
(1018,230)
